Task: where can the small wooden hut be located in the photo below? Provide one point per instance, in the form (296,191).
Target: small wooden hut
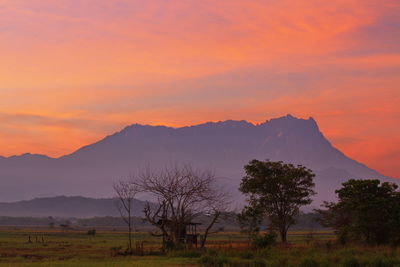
(187,235)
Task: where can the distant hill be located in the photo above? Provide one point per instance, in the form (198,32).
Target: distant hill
(62,206)
(221,146)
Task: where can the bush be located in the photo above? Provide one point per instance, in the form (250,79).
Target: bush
(264,241)
(91,232)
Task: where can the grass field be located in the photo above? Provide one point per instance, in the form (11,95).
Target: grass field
(50,247)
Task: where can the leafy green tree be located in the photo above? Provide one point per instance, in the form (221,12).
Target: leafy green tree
(279,190)
(366,211)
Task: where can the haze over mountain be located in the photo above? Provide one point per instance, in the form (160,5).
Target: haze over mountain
(62,206)
(222,146)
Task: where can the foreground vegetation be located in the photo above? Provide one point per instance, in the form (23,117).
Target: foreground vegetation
(106,248)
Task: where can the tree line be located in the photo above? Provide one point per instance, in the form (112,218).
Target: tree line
(366,210)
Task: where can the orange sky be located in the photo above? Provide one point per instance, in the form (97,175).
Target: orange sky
(73,71)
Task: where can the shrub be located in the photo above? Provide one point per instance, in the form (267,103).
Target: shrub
(91,232)
(264,241)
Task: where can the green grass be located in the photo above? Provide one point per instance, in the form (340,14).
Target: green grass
(76,248)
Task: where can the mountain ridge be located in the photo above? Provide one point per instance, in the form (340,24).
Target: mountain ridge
(224,146)
(28,154)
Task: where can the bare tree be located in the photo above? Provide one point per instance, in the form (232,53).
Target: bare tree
(181,195)
(126,192)
(217,211)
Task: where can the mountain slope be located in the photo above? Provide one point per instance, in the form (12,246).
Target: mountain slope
(222,146)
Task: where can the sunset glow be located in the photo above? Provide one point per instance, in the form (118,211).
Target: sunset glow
(72,72)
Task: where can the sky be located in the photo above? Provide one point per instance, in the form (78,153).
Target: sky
(73,71)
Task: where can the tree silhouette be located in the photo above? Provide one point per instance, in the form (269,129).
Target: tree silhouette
(279,190)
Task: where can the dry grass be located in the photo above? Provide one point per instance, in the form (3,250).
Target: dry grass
(76,248)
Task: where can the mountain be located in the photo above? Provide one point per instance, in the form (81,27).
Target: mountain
(221,146)
(62,206)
